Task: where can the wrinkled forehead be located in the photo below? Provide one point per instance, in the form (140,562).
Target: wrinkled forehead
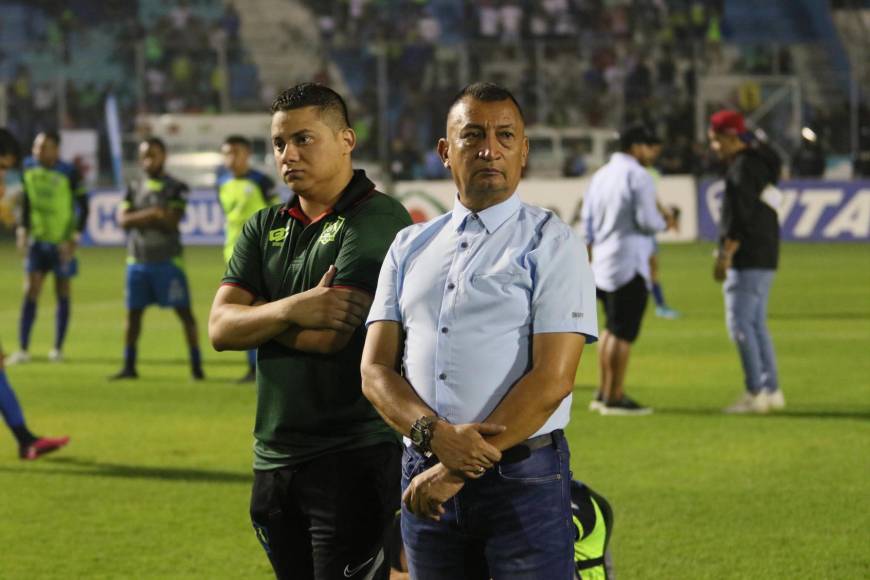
(471,111)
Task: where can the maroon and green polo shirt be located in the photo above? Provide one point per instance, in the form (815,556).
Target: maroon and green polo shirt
(312,404)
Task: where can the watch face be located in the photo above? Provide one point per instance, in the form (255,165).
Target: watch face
(416,435)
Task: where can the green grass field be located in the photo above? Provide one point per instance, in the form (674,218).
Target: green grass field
(156,479)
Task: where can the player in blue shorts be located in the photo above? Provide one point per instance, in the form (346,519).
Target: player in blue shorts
(29,445)
(150,213)
(54,212)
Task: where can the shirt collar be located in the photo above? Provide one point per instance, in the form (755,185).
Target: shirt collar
(624,158)
(358,189)
(492,217)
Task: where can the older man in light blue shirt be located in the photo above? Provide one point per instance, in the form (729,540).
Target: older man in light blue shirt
(485,310)
(619,216)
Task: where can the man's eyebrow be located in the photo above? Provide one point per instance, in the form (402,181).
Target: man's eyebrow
(482,128)
(298,133)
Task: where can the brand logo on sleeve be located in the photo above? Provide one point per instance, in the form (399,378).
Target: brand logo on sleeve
(330,231)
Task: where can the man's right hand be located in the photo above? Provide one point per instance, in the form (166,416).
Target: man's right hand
(324,307)
(463,447)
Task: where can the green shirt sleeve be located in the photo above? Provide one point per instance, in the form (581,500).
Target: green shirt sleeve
(366,241)
(245,268)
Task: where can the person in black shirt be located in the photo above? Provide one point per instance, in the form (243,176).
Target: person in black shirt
(748,255)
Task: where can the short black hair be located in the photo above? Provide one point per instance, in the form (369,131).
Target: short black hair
(488,92)
(9,145)
(238,140)
(325,99)
(638,133)
(53,135)
(155,142)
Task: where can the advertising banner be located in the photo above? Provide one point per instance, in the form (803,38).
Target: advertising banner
(817,211)
(203,220)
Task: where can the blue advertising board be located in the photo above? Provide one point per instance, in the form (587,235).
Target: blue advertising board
(203,222)
(810,211)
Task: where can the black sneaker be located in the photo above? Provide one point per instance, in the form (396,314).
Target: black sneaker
(597,403)
(124,374)
(624,406)
(197,374)
(250,377)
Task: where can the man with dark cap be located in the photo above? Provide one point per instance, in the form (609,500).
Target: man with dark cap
(619,215)
(748,255)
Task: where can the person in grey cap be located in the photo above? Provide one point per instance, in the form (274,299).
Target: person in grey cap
(618,216)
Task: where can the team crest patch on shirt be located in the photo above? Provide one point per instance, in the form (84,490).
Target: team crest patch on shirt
(277,236)
(329,232)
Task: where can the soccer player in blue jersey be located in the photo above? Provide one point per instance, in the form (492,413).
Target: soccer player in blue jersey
(242,192)
(29,445)
(150,214)
(54,214)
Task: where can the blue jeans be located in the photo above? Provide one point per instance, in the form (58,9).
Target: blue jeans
(514,522)
(746,294)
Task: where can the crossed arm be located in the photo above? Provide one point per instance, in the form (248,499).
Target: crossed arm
(320,320)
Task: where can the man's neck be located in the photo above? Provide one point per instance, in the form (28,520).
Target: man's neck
(482,202)
(315,204)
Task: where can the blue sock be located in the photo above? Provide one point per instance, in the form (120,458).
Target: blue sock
(195,358)
(61,321)
(28,316)
(129,358)
(658,294)
(12,413)
(252,358)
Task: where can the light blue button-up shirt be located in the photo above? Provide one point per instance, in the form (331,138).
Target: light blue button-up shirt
(619,215)
(470,289)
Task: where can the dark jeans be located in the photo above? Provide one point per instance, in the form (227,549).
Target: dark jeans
(512,523)
(327,518)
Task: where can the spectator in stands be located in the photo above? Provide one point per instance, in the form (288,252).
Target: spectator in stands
(808,159)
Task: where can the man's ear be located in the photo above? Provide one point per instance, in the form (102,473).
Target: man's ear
(525,151)
(348,137)
(443,152)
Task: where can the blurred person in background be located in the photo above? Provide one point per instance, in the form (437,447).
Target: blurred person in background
(54,213)
(297,288)
(619,214)
(150,214)
(808,159)
(242,192)
(671,215)
(748,255)
(30,446)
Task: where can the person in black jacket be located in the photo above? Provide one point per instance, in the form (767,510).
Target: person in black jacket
(748,254)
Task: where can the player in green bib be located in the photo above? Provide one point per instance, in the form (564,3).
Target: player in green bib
(298,287)
(54,213)
(242,192)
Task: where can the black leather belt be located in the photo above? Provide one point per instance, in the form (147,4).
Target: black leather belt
(524,450)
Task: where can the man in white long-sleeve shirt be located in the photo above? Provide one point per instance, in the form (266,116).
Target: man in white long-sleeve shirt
(619,215)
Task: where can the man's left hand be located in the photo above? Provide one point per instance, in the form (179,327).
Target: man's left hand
(428,490)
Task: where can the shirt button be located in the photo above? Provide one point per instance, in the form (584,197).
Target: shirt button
(443,330)
(451,286)
(463,245)
(442,376)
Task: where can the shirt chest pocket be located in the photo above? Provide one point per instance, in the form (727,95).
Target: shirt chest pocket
(513,284)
